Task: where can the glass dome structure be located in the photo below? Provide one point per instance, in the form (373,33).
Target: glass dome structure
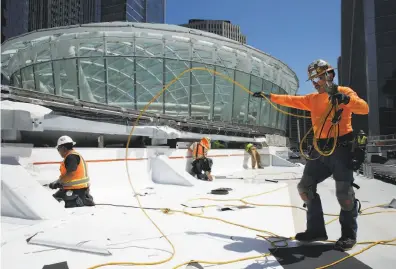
(127,64)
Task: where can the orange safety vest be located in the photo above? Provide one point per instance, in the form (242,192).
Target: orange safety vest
(80,179)
(317,104)
(198,151)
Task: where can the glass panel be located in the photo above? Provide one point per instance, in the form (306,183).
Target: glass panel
(92,80)
(223,95)
(149,47)
(44,79)
(45,53)
(176,96)
(91,47)
(202,53)
(15,80)
(28,78)
(240,97)
(255,103)
(225,57)
(66,70)
(266,108)
(202,93)
(275,115)
(120,82)
(149,83)
(177,50)
(121,47)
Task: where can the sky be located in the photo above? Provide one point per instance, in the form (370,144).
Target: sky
(296,32)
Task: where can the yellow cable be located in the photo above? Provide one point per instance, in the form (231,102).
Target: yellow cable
(168,211)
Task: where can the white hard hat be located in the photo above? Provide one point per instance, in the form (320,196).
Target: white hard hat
(65,140)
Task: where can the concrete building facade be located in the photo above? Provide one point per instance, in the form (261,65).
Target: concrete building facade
(219,27)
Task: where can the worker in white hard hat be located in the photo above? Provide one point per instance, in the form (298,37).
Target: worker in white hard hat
(73,182)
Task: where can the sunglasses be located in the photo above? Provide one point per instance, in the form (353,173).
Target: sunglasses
(317,79)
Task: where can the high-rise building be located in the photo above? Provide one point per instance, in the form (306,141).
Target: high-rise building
(219,27)
(152,11)
(14,18)
(21,16)
(54,13)
(368,60)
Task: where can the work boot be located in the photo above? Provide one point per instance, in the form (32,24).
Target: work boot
(316,230)
(308,236)
(348,221)
(344,244)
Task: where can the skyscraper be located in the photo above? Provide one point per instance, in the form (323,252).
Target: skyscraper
(14,18)
(21,16)
(368,60)
(152,11)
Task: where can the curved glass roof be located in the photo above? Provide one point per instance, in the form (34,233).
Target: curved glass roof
(155,40)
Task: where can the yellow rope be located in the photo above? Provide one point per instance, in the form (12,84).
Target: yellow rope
(169,211)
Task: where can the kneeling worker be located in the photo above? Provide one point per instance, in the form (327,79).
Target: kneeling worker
(199,151)
(252,150)
(73,181)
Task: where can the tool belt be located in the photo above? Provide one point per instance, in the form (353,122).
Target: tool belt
(342,141)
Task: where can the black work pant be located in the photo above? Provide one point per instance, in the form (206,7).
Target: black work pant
(338,165)
(74,198)
(199,165)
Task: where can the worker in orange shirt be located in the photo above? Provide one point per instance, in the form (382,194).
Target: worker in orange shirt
(73,182)
(339,164)
(201,163)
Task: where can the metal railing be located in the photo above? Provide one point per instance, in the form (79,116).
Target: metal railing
(381,137)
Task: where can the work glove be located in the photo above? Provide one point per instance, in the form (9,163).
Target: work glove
(340,98)
(260,94)
(55,185)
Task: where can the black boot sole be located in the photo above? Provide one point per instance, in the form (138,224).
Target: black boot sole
(343,249)
(324,238)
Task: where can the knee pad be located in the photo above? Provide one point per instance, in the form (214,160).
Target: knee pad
(307,193)
(345,195)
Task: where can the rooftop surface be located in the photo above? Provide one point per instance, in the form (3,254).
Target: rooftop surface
(117,231)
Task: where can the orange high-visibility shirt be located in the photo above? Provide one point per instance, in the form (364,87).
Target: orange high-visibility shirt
(317,104)
(80,179)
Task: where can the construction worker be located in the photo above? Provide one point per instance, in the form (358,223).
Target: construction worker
(359,151)
(201,163)
(339,163)
(255,156)
(362,139)
(73,182)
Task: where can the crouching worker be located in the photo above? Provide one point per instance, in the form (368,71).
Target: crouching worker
(73,183)
(201,163)
(255,156)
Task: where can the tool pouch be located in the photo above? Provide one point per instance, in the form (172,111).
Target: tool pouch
(358,155)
